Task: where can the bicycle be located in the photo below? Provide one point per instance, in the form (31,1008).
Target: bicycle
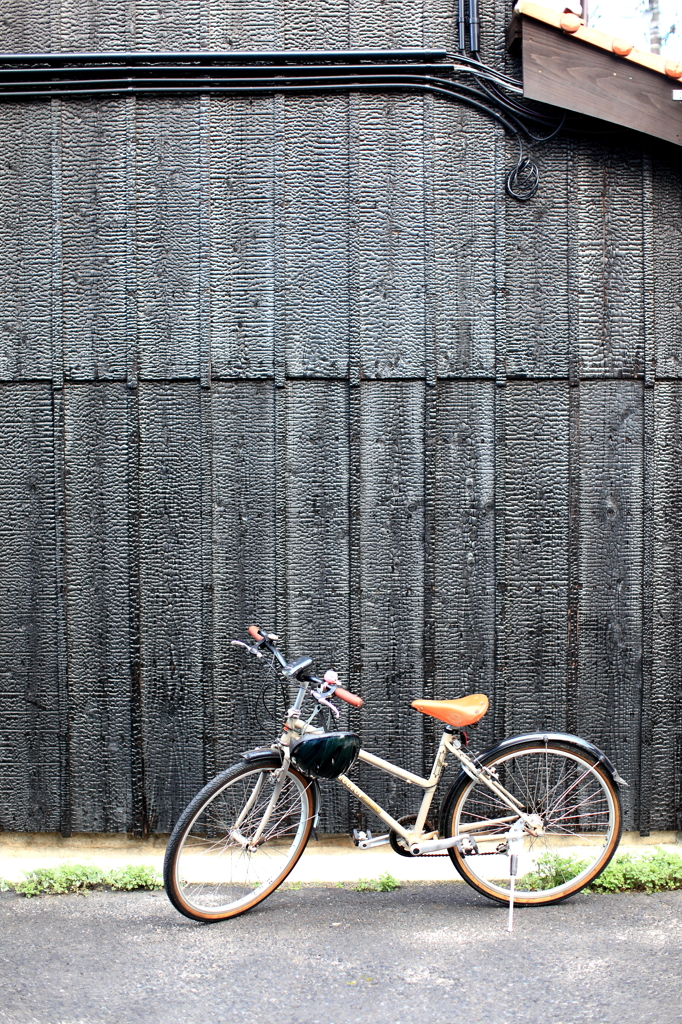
(527,800)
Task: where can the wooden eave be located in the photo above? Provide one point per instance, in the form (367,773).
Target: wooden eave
(571,66)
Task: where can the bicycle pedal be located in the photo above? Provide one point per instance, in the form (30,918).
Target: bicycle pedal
(361,837)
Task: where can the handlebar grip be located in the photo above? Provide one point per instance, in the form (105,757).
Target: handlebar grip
(350,698)
(256,633)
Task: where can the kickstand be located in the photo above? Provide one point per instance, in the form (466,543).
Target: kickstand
(513,867)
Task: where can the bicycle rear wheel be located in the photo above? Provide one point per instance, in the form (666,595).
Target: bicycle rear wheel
(217,865)
(576,802)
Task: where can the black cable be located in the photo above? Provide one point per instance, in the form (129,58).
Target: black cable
(462,93)
(522,181)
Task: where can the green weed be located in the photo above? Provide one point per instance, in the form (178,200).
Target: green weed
(652,872)
(551,870)
(68,878)
(384,883)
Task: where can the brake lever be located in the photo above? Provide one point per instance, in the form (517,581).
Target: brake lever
(322,700)
(251,650)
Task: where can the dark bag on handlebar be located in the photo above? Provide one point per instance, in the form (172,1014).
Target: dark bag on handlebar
(326,755)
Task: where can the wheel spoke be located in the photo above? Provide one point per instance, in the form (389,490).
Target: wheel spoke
(579,814)
(210,868)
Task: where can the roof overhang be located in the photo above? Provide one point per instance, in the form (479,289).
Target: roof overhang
(582,70)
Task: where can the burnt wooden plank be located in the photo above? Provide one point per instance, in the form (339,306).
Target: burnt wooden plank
(611,441)
(25,27)
(315,228)
(387,252)
(462,220)
(171,585)
(249,26)
(103,25)
(665,263)
(25,242)
(94,227)
(391,574)
(29,676)
(97,606)
(666,698)
(610,272)
(400,23)
(169,236)
(308,25)
(576,76)
(535,265)
(242,167)
(166,25)
(464,599)
(317,551)
(245,558)
(535,569)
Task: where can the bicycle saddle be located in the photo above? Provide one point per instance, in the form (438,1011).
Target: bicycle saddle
(460,713)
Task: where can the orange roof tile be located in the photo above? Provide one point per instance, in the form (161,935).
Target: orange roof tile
(574,26)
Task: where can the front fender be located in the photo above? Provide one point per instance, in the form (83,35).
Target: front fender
(266,754)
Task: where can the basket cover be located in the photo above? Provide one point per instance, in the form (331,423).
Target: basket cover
(326,755)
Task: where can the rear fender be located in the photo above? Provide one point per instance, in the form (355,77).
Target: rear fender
(537,737)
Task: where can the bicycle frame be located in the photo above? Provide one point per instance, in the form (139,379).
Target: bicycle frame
(418,841)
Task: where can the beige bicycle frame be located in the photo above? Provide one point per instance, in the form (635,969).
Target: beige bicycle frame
(449,744)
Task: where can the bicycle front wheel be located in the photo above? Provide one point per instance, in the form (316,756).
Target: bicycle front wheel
(577,809)
(238,840)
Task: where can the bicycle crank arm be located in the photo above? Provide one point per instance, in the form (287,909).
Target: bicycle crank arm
(365,841)
(465,843)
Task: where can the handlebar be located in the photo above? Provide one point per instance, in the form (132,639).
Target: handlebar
(350,698)
(257,634)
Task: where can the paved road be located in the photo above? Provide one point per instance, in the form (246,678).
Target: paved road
(331,956)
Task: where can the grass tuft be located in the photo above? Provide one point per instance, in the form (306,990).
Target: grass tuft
(651,872)
(384,883)
(70,878)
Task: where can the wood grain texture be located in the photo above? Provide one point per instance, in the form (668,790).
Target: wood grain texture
(238,26)
(25,243)
(576,76)
(97,606)
(391,572)
(171,588)
(315,228)
(168,232)
(317,549)
(245,559)
(535,571)
(29,734)
(394,23)
(242,170)
(666,697)
(461,216)
(464,599)
(611,419)
(666,276)
(94,231)
(317,373)
(387,214)
(610,261)
(535,286)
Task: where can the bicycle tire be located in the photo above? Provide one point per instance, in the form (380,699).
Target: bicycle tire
(561,782)
(209,874)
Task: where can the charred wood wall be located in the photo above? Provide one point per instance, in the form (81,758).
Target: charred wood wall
(298,361)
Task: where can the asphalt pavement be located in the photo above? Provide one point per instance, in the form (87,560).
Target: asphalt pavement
(325,955)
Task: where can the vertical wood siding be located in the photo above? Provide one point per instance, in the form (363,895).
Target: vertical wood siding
(298,361)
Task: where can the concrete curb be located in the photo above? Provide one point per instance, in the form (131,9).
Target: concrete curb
(332,859)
